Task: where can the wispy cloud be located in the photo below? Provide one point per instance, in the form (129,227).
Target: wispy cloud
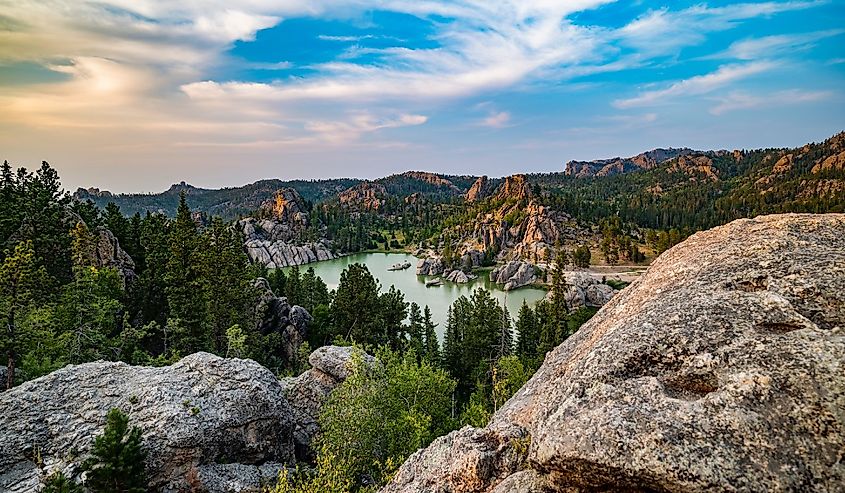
(698,85)
(351,128)
(772,46)
(665,32)
(743,100)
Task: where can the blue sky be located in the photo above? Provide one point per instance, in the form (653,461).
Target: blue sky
(132,95)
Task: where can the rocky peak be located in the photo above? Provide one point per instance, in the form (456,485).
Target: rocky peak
(711,372)
(84,193)
(178,187)
(479,190)
(287,206)
(515,187)
(432,179)
(366,196)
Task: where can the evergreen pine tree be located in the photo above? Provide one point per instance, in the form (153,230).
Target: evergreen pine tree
(432,346)
(117,458)
(22,281)
(528,333)
(183,280)
(415,330)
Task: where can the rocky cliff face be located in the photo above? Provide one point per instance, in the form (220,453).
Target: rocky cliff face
(287,207)
(514,188)
(108,253)
(203,416)
(720,369)
(481,189)
(608,167)
(521,231)
(367,196)
(274,240)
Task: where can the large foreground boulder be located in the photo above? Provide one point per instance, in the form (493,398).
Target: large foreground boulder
(721,369)
(200,412)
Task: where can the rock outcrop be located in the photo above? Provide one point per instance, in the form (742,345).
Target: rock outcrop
(430,266)
(288,208)
(432,179)
(274,239)
(330,366)
(836,160)
(458,276)
(272,243)
(199,413)
(275,315)
(108,253)
(514,188)
(585,290)
(696,166)
(366,196)
(720,369)
(480,189)
(514,274)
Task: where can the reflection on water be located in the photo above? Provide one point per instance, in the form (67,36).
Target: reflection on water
(413,286)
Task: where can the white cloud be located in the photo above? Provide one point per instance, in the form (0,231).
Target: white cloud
(771,46)
(742,100)
(701,84)
(352,128)
(499,119)
(665,32)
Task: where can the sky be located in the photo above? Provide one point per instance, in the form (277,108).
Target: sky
(133,95)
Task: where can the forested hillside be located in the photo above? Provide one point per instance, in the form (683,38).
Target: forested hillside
(702,190)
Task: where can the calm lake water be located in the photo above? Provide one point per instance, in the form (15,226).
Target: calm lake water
(438,299)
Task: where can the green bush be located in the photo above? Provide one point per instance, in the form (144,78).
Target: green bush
(374,420)
(58,483)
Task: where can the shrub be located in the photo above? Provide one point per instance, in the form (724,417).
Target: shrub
(58,483)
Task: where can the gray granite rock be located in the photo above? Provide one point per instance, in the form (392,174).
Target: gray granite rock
(275,315)
(513,275)
(201,411)
(585,290)
(239,478)
(721,369)
(430,266)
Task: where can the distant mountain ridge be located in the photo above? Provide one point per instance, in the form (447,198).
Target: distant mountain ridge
(618,165)
(231,202)
(807,175)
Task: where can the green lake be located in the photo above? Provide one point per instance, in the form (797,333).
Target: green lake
(413,286)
